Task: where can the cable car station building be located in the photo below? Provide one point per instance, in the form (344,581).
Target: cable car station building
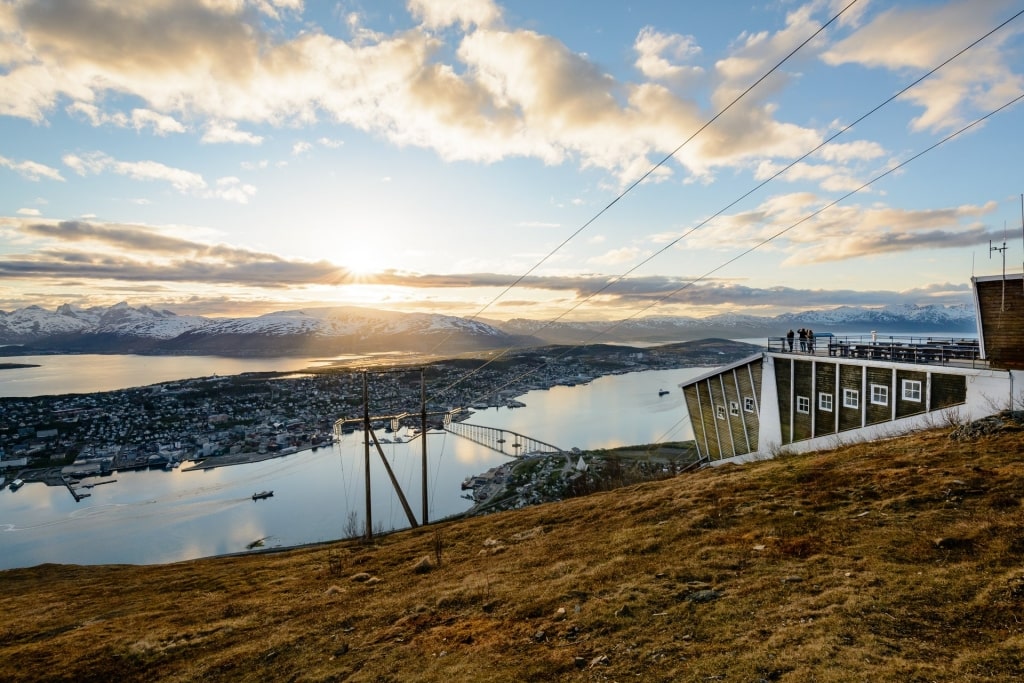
(860,388)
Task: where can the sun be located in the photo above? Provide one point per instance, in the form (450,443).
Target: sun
(363,262)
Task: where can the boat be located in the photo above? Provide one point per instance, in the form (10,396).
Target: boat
(662,392)
(262,494)
(17,484)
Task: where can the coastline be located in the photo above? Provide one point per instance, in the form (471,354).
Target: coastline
(242,458)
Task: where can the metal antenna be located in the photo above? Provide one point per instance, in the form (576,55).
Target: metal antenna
(1002,250)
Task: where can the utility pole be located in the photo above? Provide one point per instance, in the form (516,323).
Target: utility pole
(366,456)
(423,437)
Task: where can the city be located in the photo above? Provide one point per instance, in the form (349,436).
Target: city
(57,438)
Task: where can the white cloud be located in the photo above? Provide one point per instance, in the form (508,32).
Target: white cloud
(232,189)
(227,131)
(29,212)
(31,170)
(139,119)
(618,256)
(652,47)
(498,92)
(255,165)
(98,162)
(844,231)
(443,13)
(915,39)
(330,143)
(301,147)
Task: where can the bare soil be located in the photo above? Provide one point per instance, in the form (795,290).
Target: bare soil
(897,560)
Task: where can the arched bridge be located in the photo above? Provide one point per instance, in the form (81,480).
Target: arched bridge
(502,440)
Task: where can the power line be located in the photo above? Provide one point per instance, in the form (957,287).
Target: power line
(757,246)
(654,168)
(707,220)
(637,182)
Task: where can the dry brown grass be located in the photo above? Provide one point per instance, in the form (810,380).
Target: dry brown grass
(900,560)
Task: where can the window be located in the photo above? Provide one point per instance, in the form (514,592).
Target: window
(879,395)
(803,404)
(720,411)
(912,390)
(748,404)
(825,401)
(851,398)
(734,408)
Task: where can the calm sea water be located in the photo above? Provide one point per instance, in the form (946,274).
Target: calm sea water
(159,516)
(89,373)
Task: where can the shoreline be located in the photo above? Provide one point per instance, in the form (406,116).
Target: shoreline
(216,461)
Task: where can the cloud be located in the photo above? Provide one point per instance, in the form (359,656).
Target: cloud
(98,162)
(133,253)
(29,212)
(911,40)
(443,13)
(31,170)
(619,256)
(469,87)
(504,93)
(228,188)
(128,257)
(843,231)
(301,147)
(227,131)
(233,189)
(330,143)
(139,119)
(651,47)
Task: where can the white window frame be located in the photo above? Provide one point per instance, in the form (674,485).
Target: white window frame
(748,404)
(803,404)
(912,390)
(879,395)
(825,401)
(720,412)
(734,408)
(851,398)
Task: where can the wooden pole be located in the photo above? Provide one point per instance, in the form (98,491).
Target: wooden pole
(423,438)
(366,456)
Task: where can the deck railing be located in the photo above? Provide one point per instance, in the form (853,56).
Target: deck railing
(931,350)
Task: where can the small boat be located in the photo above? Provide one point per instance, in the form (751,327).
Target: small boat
(662,392)
(262,494)
(17,484)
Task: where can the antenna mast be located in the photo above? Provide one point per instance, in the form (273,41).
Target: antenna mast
(1002,250)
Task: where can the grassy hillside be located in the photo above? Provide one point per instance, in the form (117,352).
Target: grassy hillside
(900,560)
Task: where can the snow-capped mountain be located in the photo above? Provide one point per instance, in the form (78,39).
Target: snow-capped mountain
(904,319)
(330,331)
(124,329)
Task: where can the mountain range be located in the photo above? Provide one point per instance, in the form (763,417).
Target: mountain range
(339,330)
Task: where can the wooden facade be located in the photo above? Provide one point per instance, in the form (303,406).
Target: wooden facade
(999,303)
(724,410)
(819,397)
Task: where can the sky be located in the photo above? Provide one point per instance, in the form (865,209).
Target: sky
(547,160)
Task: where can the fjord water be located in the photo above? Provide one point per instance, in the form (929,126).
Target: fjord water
(89,373)
(157,516)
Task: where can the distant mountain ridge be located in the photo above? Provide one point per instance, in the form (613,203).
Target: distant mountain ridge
(336,330)
(902,319)
(312,331)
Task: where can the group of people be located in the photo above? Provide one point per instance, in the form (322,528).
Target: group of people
(806,338)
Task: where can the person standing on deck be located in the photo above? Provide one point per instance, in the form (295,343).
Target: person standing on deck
(803,338)
(789,339)
(810,341)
